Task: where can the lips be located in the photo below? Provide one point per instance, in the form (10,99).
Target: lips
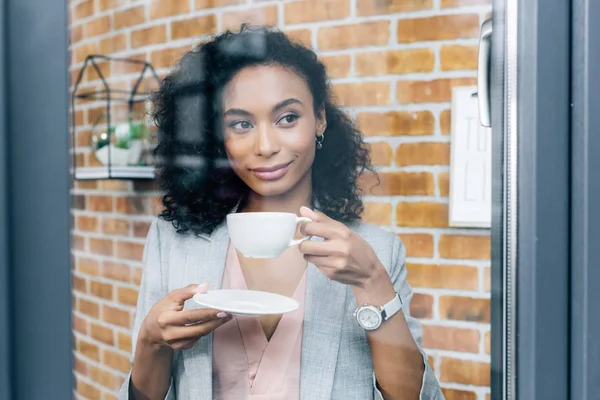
(271,173)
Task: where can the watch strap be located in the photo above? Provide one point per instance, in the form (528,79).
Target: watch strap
(392,307)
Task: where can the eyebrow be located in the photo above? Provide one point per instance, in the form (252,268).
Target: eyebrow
(278,106)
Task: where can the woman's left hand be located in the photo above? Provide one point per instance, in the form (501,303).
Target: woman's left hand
(344,256)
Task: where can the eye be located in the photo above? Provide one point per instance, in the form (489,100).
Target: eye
(241,125)
(288,119)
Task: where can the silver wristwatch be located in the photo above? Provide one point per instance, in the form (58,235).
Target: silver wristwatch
(371,317)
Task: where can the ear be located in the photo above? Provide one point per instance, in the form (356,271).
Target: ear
(321,121)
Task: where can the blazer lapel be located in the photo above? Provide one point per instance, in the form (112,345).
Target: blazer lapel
(323,319)
(205,262)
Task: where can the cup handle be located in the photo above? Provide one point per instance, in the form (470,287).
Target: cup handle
(298,241)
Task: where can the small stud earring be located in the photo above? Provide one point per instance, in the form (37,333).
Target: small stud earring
(319,139)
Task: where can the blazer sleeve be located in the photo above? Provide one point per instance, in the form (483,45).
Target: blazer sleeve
(152,289)
(430,388)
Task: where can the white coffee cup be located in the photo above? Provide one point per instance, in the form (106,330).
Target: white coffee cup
(263,234)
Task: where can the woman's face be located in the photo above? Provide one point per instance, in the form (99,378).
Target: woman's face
(269,128)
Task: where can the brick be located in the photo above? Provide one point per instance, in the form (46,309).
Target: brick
(83,139)
(455,394)
(87,266)
(114,185)
(88,391)
(431,362)
(380,153)
(417,244)
(157,205)
(395,62)
(486,342)
(487,280)
(302,36)
(336,66)
(79,325)
(79,284)
(396,123)
(167,58)
(76,33)
(422,214)
(146,186)
(124,341)
(443,27)
(465,372)
(103,247)
(133,205)
(96,114)
(113,44)
(362,94)
(256,16)
(116,361)
(421,306)
(450,338)
(457,57)
(130,251)
(86,185)
(110,4)
(78,242)
(136,276)
(426,153)
(108,396)
(202,4)
(88,349)
(127,296)
(116,271)
(88,308)
(101,290)
(465,247)
(376,7)
(80,52)
(435,91)
(303,11)
(79,202)
(100,203)
(102,334)
(102,377)
(116,317)
(458,277)
(372,33)
(79,117)
(84,9)
(152,35)
(398,184)
(98,26)
(377,213)
(445,127)
(168,8)
(130,17)
(464,3)
(80,366)
(464,309)
(114,226)
(88,224)
(140,229)
(444,184)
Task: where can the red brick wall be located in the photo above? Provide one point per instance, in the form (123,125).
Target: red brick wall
(393,65)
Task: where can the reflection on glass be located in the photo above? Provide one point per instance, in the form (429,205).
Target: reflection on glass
(237,133)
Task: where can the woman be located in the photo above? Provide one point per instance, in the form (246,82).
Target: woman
(247,124)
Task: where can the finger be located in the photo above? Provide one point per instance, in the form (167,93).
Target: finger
(179,296)
(191,332)
(316,216)
(188,317)
(325,230)
(309,248)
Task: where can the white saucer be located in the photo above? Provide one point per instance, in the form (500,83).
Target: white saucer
(246,302)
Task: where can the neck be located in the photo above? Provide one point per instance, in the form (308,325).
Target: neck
(290,202)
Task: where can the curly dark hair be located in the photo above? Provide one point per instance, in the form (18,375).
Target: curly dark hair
(200,188)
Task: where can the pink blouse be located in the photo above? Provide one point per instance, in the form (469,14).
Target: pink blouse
(245,365)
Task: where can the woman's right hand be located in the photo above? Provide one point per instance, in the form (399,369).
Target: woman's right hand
(169,325)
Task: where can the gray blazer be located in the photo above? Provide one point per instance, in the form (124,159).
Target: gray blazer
(336,358)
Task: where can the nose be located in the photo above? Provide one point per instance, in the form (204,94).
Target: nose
(267,143)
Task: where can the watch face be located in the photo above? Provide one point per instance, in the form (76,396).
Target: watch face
(368,318)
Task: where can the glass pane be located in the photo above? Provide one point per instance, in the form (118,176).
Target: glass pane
(248,121)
